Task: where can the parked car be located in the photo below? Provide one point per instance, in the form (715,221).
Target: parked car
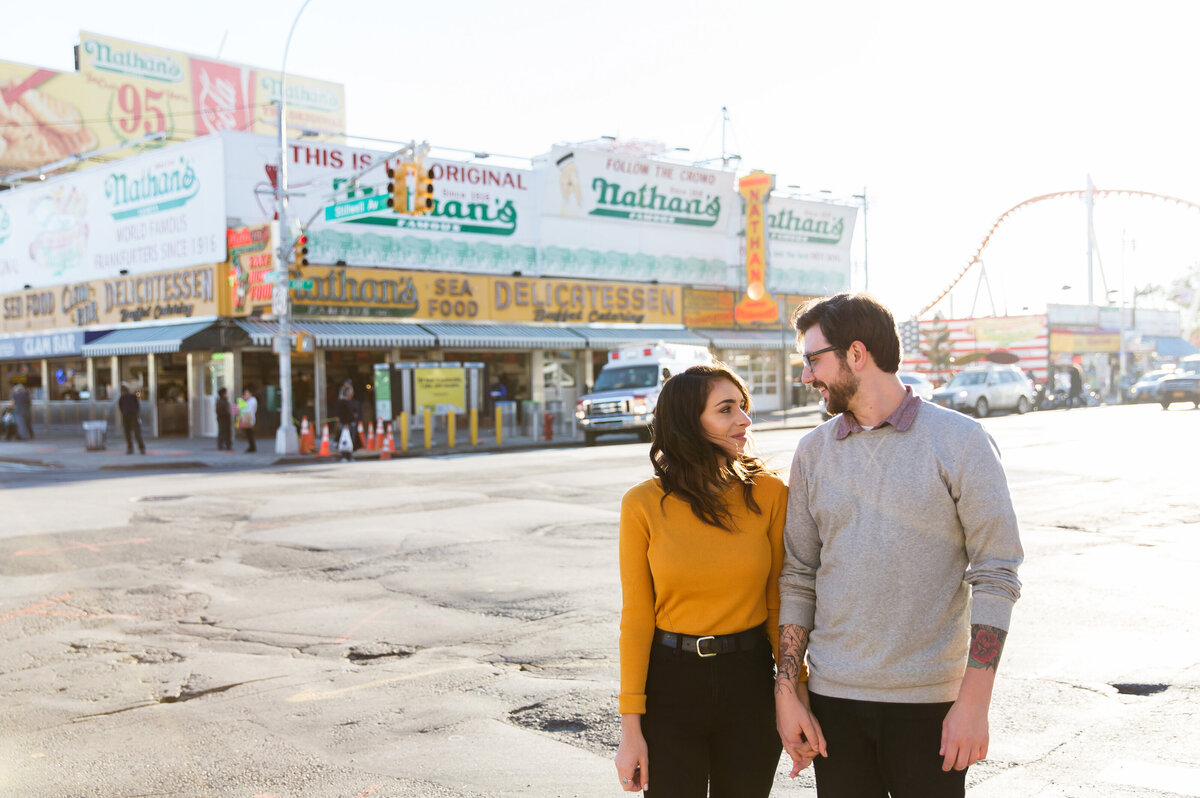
(921,385)
(980,390)
(1145,389)
(1183,385)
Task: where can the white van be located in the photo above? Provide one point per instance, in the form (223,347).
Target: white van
(627,388)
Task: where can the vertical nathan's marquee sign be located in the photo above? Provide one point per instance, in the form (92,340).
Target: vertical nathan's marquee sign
(758,305)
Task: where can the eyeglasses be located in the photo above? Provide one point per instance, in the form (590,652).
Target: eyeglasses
(808,356)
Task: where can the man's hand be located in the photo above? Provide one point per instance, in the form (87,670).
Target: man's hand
(798,729)
(965,729)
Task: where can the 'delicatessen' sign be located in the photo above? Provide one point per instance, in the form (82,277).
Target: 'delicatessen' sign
(342,292)
(175,294)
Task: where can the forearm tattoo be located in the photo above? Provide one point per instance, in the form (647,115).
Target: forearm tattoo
(987,643)
(793,642)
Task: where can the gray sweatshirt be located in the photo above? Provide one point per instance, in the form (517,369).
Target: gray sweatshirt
(897,541)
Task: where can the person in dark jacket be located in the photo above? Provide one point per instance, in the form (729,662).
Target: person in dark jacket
(347,412)
(224,422)
(128,405)
(1076,395)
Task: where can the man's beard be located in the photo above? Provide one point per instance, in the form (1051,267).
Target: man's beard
(840,392)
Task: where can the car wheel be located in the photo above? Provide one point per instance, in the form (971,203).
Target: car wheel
(1165,405)
(1023,405)
(589,439)
(981,408)
(644,435)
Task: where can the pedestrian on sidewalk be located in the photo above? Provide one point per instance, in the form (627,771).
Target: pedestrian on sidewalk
(900,575)
(701,546)
(8,420)
(247,416)
(224,421)
(129,406)
(23,410)
(347,415)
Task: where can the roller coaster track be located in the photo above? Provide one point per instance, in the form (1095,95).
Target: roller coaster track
(1056,195)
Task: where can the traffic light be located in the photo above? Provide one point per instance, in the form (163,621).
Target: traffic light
(300,253)
(424,203)
(398,187)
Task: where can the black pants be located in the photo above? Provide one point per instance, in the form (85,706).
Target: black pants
(250,439)
(133,429)
(224,432)
(878,749)
(711,721)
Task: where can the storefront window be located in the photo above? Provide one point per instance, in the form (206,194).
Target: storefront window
(760,371)
(68,380)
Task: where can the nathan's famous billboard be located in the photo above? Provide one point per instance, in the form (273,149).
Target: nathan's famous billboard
(126,90)
(158,210)
(619,216)
(482,221)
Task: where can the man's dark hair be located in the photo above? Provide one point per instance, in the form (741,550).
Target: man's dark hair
(846,318)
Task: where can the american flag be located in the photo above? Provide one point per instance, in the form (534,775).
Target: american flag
(1027,337)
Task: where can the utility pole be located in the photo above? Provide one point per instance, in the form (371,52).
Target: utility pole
(866,259)
(286,439)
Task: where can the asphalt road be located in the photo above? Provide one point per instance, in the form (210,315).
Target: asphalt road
(447,626)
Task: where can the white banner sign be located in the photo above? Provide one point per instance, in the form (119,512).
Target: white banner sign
(809,246)
(615,216)
(150,212)
(483,218)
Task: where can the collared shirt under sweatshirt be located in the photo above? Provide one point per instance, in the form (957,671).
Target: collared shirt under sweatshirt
(898,539)
(683,575)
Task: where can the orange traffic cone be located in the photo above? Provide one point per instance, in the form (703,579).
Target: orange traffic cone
(385,450)
(370,438)
(379,433)
(324,442)
(308,444)
(391,439)
(361,440)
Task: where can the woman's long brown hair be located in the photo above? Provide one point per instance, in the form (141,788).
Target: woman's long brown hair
(685,461)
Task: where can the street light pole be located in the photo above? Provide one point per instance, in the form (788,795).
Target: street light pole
(866,259)
(286,439)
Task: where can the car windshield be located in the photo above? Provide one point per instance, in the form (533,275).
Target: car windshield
(1192,368)
(966,378)
(626,377)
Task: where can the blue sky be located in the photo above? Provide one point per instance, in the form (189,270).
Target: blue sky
(948,113)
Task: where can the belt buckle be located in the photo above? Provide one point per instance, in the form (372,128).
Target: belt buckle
(700,640)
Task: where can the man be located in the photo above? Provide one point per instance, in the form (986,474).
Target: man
(900,574)
(1075,375)
(128,405)
(224,421)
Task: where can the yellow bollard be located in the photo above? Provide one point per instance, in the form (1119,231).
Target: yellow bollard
(450,428)
(474,426)
(403,431)
(499,425)
(428,429)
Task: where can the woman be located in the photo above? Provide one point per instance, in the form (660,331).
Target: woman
(701,547)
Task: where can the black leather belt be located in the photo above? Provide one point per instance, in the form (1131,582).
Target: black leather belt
(712,645)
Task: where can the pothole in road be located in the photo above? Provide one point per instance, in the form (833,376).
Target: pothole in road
(583,720)
(373,652)
(1133,688)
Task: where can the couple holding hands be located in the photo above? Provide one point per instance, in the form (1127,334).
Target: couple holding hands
(853,617)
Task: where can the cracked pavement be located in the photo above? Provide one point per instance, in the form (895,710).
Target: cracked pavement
(447,626)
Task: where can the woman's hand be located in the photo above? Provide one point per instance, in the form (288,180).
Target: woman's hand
(632,761)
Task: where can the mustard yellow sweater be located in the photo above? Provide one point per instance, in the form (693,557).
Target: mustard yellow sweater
(685,576)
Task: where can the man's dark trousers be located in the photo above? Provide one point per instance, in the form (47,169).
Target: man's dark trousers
(133,429)
(877,749)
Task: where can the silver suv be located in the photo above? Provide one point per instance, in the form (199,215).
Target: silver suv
(984,389)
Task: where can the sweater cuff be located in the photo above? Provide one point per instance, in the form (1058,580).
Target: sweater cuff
(796,612)
(630,704)
(990,610)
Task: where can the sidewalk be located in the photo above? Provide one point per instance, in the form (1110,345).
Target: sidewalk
(66,451)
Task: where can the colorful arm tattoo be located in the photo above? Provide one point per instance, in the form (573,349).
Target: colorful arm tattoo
(793,643)
(987,643)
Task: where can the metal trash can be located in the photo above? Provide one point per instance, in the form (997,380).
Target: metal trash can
(94,434)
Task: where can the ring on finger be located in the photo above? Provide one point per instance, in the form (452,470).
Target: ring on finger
(625,780)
